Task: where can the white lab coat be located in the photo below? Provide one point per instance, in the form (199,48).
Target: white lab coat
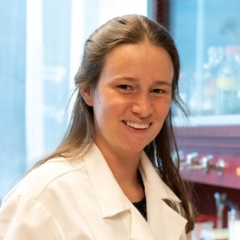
(80,199)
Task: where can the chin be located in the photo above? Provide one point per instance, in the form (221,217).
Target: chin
(134,148)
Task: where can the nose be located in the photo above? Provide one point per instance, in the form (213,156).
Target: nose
(142,105)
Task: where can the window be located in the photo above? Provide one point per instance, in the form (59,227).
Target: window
(41,43)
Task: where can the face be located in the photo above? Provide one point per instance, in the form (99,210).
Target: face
(132,98)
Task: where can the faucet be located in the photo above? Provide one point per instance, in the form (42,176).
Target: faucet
(191,162)
(221,202)
(207,166)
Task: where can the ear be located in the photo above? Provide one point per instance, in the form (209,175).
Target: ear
(87,95)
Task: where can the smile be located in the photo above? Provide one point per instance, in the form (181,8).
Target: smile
(137,125)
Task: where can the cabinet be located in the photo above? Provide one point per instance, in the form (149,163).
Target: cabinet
(209,48)
(207,35)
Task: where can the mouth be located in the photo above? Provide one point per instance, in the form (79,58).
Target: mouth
(137,125)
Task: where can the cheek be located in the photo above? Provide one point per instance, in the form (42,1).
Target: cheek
(103,111)
(163,108)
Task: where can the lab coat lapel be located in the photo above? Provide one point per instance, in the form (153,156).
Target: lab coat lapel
(163,220)
(112,203)
(167,224)
(140,229)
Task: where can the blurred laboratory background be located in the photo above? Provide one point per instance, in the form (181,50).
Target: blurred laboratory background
(41,44)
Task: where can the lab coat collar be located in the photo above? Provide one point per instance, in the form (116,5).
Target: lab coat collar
(161,217)
(112,200)
(109,195)
(152,181)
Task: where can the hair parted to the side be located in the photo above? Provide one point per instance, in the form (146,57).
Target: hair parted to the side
(129,29)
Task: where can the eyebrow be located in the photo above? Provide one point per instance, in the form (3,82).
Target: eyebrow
(130,79)
(163,83)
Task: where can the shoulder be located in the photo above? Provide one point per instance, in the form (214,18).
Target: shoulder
(49,174)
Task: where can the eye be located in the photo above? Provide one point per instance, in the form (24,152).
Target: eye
(124,87)
(158,91)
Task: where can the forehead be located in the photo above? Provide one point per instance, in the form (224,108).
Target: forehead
(140,59)
(137,51)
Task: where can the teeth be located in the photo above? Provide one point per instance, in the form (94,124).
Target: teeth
(137,126)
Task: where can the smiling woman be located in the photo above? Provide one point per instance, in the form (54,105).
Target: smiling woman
(113,175)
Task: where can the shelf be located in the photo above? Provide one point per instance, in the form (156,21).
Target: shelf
(216,120)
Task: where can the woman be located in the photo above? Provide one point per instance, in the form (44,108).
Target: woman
(113,176)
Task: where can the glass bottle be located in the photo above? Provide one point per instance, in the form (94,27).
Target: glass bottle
(227,82)
(208,93)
